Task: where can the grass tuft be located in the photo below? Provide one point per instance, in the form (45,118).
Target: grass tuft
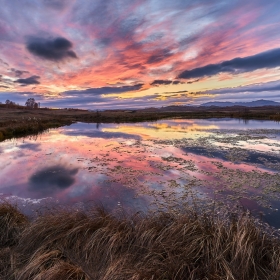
(12,222)
(71,244)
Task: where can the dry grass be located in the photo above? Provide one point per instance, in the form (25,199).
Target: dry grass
(68,244)
(12,224)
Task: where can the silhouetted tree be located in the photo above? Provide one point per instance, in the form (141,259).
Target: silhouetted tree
(9,103)
(30,103)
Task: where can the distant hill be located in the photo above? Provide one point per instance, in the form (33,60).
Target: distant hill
(257,103)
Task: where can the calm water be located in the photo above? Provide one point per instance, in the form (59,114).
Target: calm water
(147,165)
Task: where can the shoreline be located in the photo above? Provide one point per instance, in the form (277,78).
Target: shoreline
(18,122)
(70,243)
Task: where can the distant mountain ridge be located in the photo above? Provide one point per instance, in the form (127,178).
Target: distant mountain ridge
(257,103)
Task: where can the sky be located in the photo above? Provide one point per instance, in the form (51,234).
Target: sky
(115,54)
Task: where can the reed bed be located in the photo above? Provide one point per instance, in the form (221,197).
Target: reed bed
(73,244)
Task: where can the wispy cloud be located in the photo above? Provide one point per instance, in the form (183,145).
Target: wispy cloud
(104,90)
(128,43)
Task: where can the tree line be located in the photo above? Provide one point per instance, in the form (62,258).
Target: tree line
(30,103)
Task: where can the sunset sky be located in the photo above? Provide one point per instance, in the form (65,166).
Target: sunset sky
(111,54)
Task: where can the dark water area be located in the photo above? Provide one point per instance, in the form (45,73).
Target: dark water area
(151,165)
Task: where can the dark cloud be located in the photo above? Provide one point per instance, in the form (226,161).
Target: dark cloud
(29,81)
(105,90)
(55,49)
(19,73)
(164,82)
(193,81)
(4,86)
(51,179)
(268,59)
(177,82)
(161,82)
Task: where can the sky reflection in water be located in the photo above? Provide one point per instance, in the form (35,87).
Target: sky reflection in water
(146,165)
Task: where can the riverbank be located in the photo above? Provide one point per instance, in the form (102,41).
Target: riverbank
(68,244)
(16,122)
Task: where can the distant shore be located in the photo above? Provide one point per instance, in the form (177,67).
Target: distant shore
(20,121)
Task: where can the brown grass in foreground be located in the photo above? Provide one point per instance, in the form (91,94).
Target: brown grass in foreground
(70,244)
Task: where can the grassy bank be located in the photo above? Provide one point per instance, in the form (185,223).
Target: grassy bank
(15,122)
(67,244)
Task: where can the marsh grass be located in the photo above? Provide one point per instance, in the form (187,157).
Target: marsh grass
(72,244)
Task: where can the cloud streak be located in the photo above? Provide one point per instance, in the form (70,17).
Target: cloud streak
(105,90)
(164,82)
(268,59)
(33,80)
(262,87)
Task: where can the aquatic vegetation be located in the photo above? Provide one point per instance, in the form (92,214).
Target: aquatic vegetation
(187,192)
(157,167)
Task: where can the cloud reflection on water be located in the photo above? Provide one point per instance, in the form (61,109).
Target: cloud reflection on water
(132,165)
(49,179)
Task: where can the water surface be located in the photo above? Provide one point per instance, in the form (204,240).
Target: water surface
(151,165)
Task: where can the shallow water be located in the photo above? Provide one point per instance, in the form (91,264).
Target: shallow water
(152,165)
